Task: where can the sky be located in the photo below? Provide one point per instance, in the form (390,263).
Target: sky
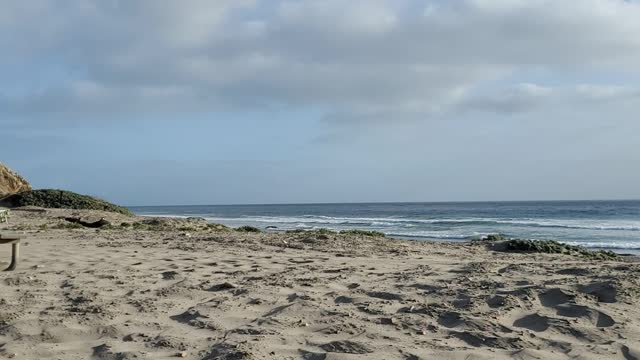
(164,102)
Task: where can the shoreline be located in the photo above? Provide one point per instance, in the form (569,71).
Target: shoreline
(610,225)
(617,250)
(166,288)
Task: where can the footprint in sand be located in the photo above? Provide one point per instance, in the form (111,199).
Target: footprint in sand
(574,271)
(564,304)
(195,318)
(385,295)
(169,275)
(599,319)
(227,351)
(308,355)
(555,296)
(479,339)
(629,354)
(104,352)
(346,347)
(538,323)
(604,291)
(451,319)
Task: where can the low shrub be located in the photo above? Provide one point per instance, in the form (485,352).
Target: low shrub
(554,247)
(494,237)
(67,226)
(321,231)
(217,227)
(61,199)
(248,228)
(363,233)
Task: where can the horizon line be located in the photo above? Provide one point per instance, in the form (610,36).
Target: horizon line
(389,202)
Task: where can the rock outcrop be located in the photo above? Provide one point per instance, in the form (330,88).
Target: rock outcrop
(11,182)
(60,199)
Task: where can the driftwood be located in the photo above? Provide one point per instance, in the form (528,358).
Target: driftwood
(90,224)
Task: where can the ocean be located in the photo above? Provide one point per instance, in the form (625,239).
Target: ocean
(613,225)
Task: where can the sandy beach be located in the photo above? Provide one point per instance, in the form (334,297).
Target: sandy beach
(177,288)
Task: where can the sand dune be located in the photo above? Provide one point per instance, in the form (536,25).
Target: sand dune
(200,294)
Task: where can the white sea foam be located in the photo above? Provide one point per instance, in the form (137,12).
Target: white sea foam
(599,228)
(456,228)
(587,224)
(166,216)
(626,245)
(437,234)
(396,225)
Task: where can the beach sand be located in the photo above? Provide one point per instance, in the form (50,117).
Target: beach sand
(190,291)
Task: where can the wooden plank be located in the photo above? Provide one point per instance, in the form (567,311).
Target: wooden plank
(9,241)
(11,236)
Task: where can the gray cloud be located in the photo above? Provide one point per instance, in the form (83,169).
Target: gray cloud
(519,98)
(359,60)
(531,97)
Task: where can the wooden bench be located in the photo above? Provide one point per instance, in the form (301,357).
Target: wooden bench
(14,240)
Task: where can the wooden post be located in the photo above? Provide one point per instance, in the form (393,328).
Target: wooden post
(14,240)
(15,253)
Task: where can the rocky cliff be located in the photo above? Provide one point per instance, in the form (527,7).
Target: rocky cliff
(11,182)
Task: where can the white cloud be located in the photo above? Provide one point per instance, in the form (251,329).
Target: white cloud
(605,92)
(355,59)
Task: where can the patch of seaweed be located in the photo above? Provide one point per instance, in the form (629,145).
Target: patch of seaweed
(552,247)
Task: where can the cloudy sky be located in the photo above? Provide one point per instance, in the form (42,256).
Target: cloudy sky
(148,102)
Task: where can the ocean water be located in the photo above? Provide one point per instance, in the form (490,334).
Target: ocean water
(613,225)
